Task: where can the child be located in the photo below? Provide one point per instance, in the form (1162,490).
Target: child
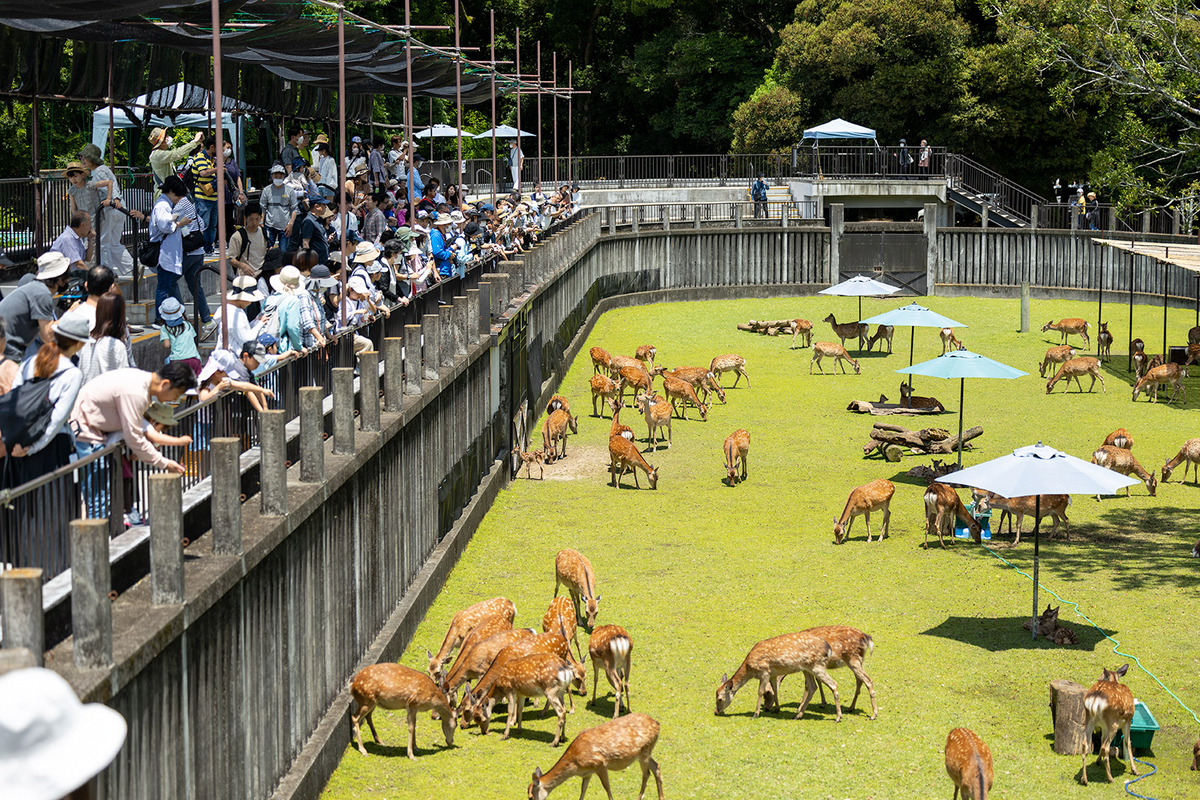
(178,337)
(158,417)
(225,371)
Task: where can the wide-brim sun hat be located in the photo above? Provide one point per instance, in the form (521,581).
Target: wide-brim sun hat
(171,310)
(443,221)
(286,281)
(457,217)
(245,288)
(92,153)
(75,166)
(156,136)
(161,413)
(50,265)
(365,253)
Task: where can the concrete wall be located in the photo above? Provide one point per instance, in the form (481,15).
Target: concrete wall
(650,196)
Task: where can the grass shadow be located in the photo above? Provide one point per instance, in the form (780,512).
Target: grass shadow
(1000,634)
(401,751)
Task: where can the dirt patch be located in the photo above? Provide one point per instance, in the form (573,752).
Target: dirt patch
(581,462)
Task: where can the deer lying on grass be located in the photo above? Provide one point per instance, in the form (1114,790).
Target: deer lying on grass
(1076,367)
(1048,627)
(1104,340)
(949,341)
(730,362)
(803,329)
(1120,438)
(834,351)
(682,392)
(1071,326)
(646,354)
(883,333)
(701,380)
(573,570)
(909,400)
(601,360)
(942,506)
(1172,374)
(1056,355)
(771,659)
(528,459)
(1189,456)
(1109,706)
(604,389)
(850,647)
(657,412)
(392,687)
(474,661)
(552,643)
(737,448)
(969,764)
(848,330)
(624,454)
(464,622)
(617,429)
(873,496)
(558,403)
(539,675)
(561,618)
(612,746)
(1051,505)
(1122,461)
(610,648)
(555,429)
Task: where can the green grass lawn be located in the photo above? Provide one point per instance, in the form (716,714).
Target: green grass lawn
(698,572)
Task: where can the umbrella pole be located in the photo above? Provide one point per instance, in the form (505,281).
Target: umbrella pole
(860,318)
(961,385)
(1037,521)
(912,338)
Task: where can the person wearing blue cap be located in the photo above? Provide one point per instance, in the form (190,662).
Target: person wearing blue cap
(177,335)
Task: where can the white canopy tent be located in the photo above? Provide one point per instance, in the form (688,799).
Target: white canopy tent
(839,129)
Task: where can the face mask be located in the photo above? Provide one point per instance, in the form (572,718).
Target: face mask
(228,153)
(277,181)
(354,150)
(170,140)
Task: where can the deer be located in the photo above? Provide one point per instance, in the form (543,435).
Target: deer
(1120,438)
(1194,335)
(646,354)
(528,459)
(1189,456)
(553,643)
(969,764)
(613,746)
(771,659)
(803,329)
(682,392)
(554,429)
(560,618)
(601,360)
(942,505)
(610,648)
(1104,340)
(1196,746)
(883,333)
(1056,355)
(909,400)
(1048,627)
(538,675)
(1109,706)
(484,630)
(573,570)
(1074,368)
(1071,326)
(737,448)
(949,341)
(604,389)
(850,647)
(730,362)
(701,380)
(617,429)
(472,663)
(1143,363)
(873,496)
(1193,351)
(558,403)
(1122,461)
(464,622)
(619,362)
(1172,374)
(848,330)
(637,377)
(392,687)
(1050,505)
(624,454)
(834,351)
(658,414)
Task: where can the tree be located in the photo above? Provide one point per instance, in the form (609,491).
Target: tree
(771,121)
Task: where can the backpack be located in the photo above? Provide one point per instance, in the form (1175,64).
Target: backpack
(25,412)
(189,176)
(759,192)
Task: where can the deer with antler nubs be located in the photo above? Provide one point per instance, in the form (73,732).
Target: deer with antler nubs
(613,746)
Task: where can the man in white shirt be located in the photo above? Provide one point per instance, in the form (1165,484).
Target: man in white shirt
(515,159)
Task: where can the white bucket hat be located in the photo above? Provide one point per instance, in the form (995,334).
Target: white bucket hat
(286,281)
(50,265)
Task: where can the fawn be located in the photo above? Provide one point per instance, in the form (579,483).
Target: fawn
(1122,461)
(730,362)
(1120,438)
(803,329)
(613,746)
(1104,340)
(873,496)
(617,429)
(1056,355)
(1109,707)
(604,389)
(601,360)
(464,622)
(392,687)
(883,333)
(701,380)
(737,447)
(475,659)
(909,400)
(646,354)
(1074,368)
(538,675)
(1156,376)
(969,764)
(848,330)
(560,618)
(834,351)
(1050,505)
(554,429)
(942,505)
(771,659)
(624,454)
(1188,455)
(528,459)
(1071,326)
(658,414)
(949,341)
(573,570)
(850,647)
(610,648)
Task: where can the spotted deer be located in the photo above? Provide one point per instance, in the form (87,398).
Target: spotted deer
(610,649)
(394,687)
(771,659)
(837,353)
(848,330)
(604,389)
(573,570)
(539,675)
(474,661)
(560,618)
(1122,461)
(850,647)
(949,340)
(1050,505)
(528,459)
(969,764)
(553,643)
(681,393)
(646,354)
(1172,374)
(635,377)
(613,746)
(555,429)
(1143,363)
(1056,355)
(1189,456)
(484,630)
(942,506)
(873,496)
(730,362)
(601,360)
(624,454)
(1104,340)
(658,414)
(701,380)
(1071,326)
(619,362)
(464,622)
(883,333)
(1193,351)
(909,400)
(617,429)
(803,329)
(737,448)
(1074,369)
(558,403)
(1109,706)
(1120,438)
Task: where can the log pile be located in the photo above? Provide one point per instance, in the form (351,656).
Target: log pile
(883,408)
(931,474)
(768,327)
(892,440)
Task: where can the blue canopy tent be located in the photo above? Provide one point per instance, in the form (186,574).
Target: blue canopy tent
(836,129)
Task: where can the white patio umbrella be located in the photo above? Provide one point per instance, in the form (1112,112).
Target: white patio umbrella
(441,131)
(860,286)
(503,132)
(1036,470)
(914,316)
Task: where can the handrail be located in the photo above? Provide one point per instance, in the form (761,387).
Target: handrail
(1009,197)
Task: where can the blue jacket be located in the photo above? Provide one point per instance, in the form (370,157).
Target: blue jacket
(443,255)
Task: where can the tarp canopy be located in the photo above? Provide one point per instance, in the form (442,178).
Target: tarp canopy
(1186,256)
(839,129)
(135,113)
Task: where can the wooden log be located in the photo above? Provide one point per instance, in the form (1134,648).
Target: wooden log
(748,328)
(893,453)
(905,439)
(951,445)
(1069,716)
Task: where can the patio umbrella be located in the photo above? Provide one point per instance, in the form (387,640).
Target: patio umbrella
(962,364)
(441,131)
(1036,470)
(914,316)
(860,286)
(502,132)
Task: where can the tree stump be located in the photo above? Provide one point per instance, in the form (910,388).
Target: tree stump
(893,453)
(1069,716)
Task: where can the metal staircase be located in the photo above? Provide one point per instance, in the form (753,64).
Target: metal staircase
(972,185)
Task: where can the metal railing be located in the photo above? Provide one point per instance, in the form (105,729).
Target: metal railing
(1107,217)
(972,178)
(770,212)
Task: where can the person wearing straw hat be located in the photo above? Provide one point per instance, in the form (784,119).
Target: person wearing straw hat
(29,309)
(443,256)
(365,254)
(163,158)
(242,292)
(81,195)
(295,317)
(111,222)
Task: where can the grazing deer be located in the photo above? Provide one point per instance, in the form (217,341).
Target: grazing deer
(560,618)
(1122,461)
(1120,438)
(850,647)
(1172,374)
(539,675)
(803,329)
(730,362)
(1051,505)
(771,659)
(909,400)
(604,389)
(552,643)
(1189,456)
(701,380)
(1143,363)
(528,459)
(848,330)
(737,448)
(646,354)
(624,454)
(472,663)
(555,429)
(392,687)
(1104,340)
(619,362)
(601,360)
(873,496)
(1084,365)
(834,351)
(1071,326)
(484,630)
(573,570)
(883,333)
(613,746)
(610,648)
(464,622)
(969,764)
(617,429)
(1109,706)
(942,506)
(682,392)
(658,413)
(1056,355)
(558,403)
(949,341)
(637,377)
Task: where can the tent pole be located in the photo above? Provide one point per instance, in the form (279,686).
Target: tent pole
(35,113)
(1129,365)
(554,109)
(344,221)
(218,105)
(961,389)
(912,338)
(494,74)
(408,114)
(539,135)
(1164,281)
(431,136)
(571,94)
(458,105)
(1037,521)
(517,57)
(1100,307)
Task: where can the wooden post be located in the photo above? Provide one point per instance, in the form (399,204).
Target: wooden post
(1069,717)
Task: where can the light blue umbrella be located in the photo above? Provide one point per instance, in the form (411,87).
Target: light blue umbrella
(860,286)
(962,364)
(914,316)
